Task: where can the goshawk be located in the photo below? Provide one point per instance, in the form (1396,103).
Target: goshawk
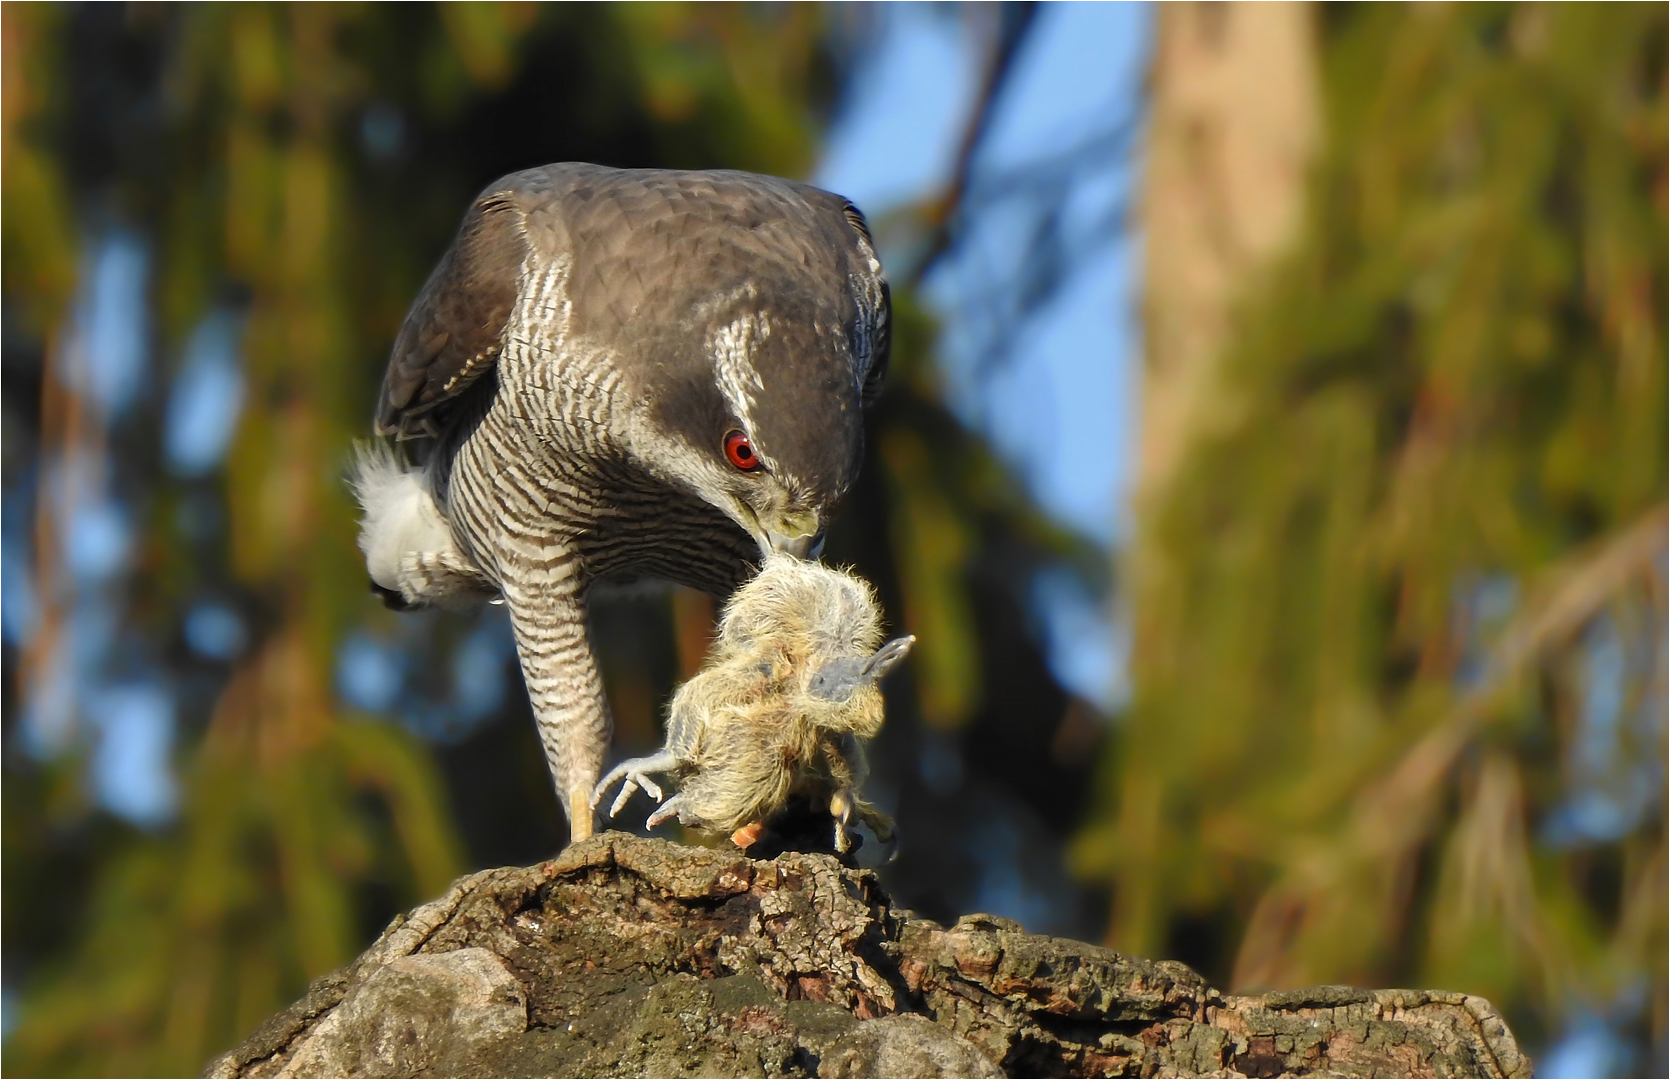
(620,373)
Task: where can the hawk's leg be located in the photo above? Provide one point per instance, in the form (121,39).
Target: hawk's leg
(564,686)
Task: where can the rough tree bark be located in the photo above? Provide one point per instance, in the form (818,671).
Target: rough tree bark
(635,957)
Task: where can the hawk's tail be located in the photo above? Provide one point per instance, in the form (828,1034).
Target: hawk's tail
(408,543)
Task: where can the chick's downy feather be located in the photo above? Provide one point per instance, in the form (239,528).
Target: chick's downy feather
(754,724)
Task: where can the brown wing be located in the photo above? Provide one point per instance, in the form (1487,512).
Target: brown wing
(881,348)
(455,329)
(880,318)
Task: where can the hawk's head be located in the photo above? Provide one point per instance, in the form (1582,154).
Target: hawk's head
(745,316)
(780,339)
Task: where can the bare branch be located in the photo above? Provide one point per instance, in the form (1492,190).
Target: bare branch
(1014,20)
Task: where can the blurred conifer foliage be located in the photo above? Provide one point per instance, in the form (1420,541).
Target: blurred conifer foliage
(1399,605)
(297,169)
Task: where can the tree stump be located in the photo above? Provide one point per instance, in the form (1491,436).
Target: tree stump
(639,957)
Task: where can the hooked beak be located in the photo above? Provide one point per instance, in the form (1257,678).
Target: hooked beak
(796,534)
(801,547)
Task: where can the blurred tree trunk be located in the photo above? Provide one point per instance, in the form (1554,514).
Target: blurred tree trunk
(1234,126)
(1232,132)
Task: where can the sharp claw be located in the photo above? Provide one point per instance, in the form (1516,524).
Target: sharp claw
(602,789)
(635,774)
(891,846)
(667,811)
(840,808)
(626,791)
(634,782)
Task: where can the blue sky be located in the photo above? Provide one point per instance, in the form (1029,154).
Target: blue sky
(1059,405)
(1066,395)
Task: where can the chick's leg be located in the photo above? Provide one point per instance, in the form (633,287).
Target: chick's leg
(683,728)
(673,807)
(635,772)
(844,756)
(879,823)
(840,808)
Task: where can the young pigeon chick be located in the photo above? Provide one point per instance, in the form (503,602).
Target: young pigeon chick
(787,697)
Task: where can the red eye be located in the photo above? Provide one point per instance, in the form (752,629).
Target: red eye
(740,453)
